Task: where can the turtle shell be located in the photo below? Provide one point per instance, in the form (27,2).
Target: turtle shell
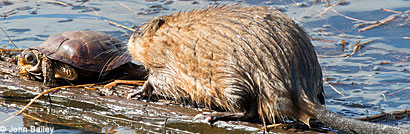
(87,50)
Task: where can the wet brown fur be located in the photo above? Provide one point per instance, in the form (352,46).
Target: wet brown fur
(252,61)
(242,59)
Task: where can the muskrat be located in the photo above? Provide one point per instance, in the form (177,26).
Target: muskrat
(254,62)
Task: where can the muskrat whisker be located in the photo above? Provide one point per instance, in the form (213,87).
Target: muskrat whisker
(115,56)
(108,51)
(105,52)
(113,59)
(105,66)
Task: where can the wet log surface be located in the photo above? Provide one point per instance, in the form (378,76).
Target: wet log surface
(93,108)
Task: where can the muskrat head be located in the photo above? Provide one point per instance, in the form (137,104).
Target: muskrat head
(144,32)
(150,27)
(29,63)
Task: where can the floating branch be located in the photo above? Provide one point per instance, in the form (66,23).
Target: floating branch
(62,3)
(324,11)
(357,47)
(384,116)
(378,24)
(337,91)
(350,18)
(323,40)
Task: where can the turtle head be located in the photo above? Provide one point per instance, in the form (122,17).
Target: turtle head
(29,62)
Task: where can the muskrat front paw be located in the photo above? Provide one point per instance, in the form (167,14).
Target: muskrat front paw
(205,117)
(137,94)
(211,118)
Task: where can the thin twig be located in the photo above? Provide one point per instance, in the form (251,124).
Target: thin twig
(390,94)
(378,117)
(276,125)
(357,47)
(62,3)
(392,11)
(337,91)
(106,129)
(324,11)
(119,25)
(350,18)
(343,44)
(9,50)
(327,3)
(8,37)
(6,14)
(44,121)
(378,24)
(323,40)
(127,7)
(112,130)
(41,94)
(131,82)
(165,125)
(352,83)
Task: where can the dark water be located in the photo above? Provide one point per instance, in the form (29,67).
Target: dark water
(376,87)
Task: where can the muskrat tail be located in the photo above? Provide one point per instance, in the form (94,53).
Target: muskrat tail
(349,125)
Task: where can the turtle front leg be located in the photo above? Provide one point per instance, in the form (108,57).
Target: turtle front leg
(48,72)
(24,74)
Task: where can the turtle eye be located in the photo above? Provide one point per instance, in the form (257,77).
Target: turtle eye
(30,58)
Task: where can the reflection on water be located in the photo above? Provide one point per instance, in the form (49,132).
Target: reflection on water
(375,79)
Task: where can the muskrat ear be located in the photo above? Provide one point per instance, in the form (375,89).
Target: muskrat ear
(152,26)
(157,23)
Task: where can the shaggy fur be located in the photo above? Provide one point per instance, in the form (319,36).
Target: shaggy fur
(242,59)
(252,61)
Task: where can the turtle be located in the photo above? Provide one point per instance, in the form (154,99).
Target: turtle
(75,56)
